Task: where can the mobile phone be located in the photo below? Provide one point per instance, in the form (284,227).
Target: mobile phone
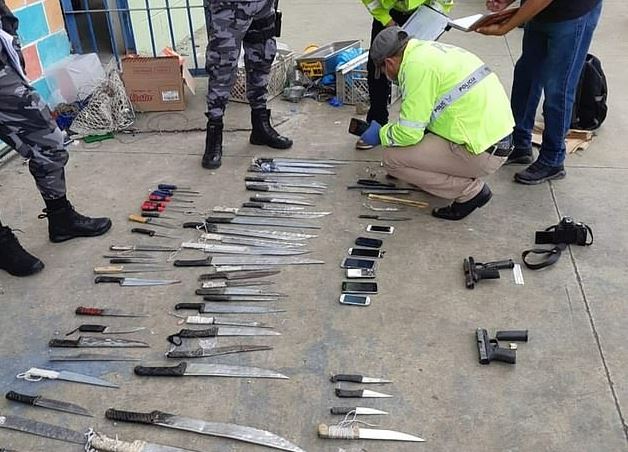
(355,300)
(350,262)
(365,252)
(359,287)
(380,229)
(360,273)
(368,242)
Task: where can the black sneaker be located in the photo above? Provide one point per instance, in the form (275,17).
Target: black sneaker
(458,210)
(66,223)
(538,173)
(520,156)
(13,258)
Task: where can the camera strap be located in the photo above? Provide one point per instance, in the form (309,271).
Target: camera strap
(551,256)
(552,235)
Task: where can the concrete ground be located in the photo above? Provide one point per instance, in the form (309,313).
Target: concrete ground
(567,391)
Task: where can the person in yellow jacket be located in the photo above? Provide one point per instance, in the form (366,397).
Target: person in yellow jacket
(455,122)
(387,13)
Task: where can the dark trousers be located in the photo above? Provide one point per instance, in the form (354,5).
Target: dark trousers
(379,88)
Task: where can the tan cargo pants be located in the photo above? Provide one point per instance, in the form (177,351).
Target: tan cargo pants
(442,168)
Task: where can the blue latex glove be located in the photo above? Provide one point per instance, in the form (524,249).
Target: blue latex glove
(371,135)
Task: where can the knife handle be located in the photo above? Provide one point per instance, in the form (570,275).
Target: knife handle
(254,179)
(342,409)
(144,231)
(346,377)
(193,262)
(183,354)
(82,310)
(348,392)
(121,260)
(139,219)
(226,220)
(108,279)
(256,205)
(65,343)
(108,269)
(176,371)
(195,306)
(132,416)
(257,187)
(88,328)
(217,297)
(189,334)
(193,224)
(22,398)
(120,248)
(336,432)
(369,217)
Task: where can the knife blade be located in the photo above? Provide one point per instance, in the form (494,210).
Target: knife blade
(244,250)
(269,213)
(96,342)
(244,260)
(247,241)
(219,331)
(232,431)
(271,168)
(384,218)
(297,163)
(272,207)
(276,188)
(259,233)
(50,404)
(230,298)
(103,329)
(185,369)
(300,201)
(133,260)
(358,410)
(360,393)
(102,443)
(105,312)
(144,248)
(152,222)
(134,282)
(200,320)
(356,432)
(138,268)
(238,291)
(225,284)
(357,378)
(221,308)
(278,222)
(25,425)
(36,374)
(238,274)
(270,180)
(207,352)
(80,357)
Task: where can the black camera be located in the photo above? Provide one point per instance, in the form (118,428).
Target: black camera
(568,232)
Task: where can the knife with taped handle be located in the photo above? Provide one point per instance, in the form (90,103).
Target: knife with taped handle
(185,369)
(104,329)
(358,410)
(356,432)
(357,378)
(215,331)
(50,404)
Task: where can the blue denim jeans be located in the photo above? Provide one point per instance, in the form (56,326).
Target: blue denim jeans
(551,62)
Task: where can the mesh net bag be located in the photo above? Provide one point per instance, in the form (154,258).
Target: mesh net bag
(108,110)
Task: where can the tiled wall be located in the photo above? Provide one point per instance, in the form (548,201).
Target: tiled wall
(43,36)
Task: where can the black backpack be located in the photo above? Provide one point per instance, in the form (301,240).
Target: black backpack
(589,109)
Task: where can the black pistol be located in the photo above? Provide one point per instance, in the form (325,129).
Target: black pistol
(489,349)
(476,271)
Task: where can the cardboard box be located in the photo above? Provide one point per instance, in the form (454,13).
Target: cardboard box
(156,83)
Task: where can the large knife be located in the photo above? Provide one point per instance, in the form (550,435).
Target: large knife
(286,183)
(200,320)
(135,282)
(230,298)
(79,357)
(232,431)
(269,213)
(36,374)
(245,250)
(238,274)
(238,291)
(185,369)
(104,329)
(105,312)
(221,308)
(356,378)
(360,393)
(272,168)
(50,404)
(276,188)
(358,410)
(137,268)
(96,342)
(42,429)
(277,222)
(285,200)
(270,207)
(102,443)
(303,163)
(244,260)
(219,331)
(214,284)
(247,241)
(140,247)
(259,233)
(208,352)
(356,432)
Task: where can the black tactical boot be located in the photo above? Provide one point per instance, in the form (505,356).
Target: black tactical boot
(263,132)
(458,210)
(213,145)
(13,258)
(65,223)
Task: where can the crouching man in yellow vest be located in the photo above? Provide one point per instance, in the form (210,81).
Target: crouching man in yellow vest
(455,122)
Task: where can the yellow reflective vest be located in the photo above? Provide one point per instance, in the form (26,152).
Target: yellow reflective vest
(380,9)
(450,92)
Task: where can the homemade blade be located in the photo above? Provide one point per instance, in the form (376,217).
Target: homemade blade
(90,357)
(247,241)
(245,250)
(355,432)
(35,374)
(109,269)
(41,429)
(360,393)
(356,378)
(238,274)
(230,298)
(185,369)
(285,183)
(103,329)
(224,284)
(270,207)
(144,248)
(206,352)
(104,312)
(280,200)
(237,291)
(259,233)
(215,331)
(277,222)
(200,320)
(276,188)
(232,431)
(135,282)
(51,404)
(271,168)
(358,410)
(269,213)
(221,308)
(242,260)
(103,443)
(96,342)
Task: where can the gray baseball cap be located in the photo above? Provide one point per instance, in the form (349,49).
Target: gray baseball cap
(386,44)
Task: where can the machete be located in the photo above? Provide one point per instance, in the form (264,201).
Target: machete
(144,248)
(96,342)
(356,432)
(245,250)
(79,357)
(102,443)
(277,188)
(105,312)
(271,168)
(42,429)
(244,260)
(221,308)
(137,268)
(215,331)
(278,222)
(243,212)
(251,241)
(238,291)
(225,284)
(238,274)
(35,374)
(135,282)
(200,320)
(231,298)
(185,369)
(270,207)
(208,352)
(303,163)
(259,233)
(285,183)
(50,404)
(281,200)
(232,431)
